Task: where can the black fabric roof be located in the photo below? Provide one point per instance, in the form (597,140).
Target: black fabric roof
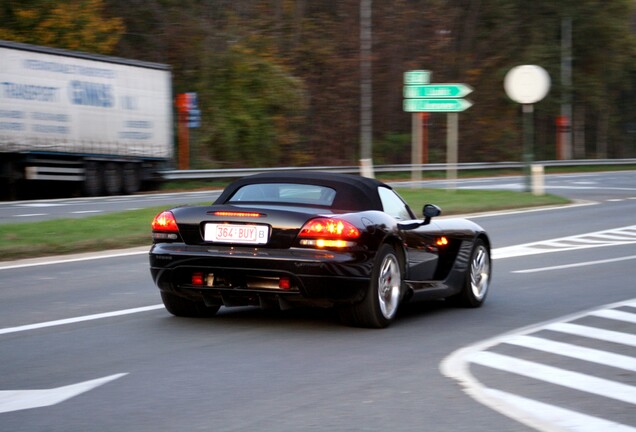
(353,192)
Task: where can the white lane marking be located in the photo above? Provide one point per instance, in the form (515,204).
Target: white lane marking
(30,215)
(548,417)
(75,258)
(611,237)
(16,400)
(543,417)
(582,264)
(554,375)
(39,204)
(55,323)
(593,333)
(86,211)
(528,210)
(574,351)
(616,315)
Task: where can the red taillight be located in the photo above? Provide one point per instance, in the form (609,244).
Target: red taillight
(327,228)
(237,214)
(197,278)
(165,222)
(328,232)
(284,283)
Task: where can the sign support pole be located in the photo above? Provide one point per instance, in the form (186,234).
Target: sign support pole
(452,121)
(416,149)
(528,138)
(184,141)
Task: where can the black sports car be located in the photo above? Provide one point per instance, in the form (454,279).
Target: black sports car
(323,239)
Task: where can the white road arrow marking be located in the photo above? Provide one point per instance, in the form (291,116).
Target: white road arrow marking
(16,400)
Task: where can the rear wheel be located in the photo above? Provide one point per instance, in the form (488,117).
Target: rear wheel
(381,302)
(131,178)
(112,178)
(475,289)
(183,307)
(92,179)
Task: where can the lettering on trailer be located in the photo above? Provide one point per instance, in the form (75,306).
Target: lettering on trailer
(29,92)
(65,68)
(91,94)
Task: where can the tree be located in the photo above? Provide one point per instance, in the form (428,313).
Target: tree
(77,24)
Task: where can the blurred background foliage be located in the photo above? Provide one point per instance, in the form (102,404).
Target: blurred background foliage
(279,80)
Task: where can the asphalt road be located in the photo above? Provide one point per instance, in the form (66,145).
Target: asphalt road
(85,345)
(591,186)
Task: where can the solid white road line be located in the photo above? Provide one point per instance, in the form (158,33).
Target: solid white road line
(575,265)
(78,319)
(32,262)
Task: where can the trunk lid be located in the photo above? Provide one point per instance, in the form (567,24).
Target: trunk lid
(250,226)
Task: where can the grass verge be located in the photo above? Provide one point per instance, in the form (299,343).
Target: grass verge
(132,228)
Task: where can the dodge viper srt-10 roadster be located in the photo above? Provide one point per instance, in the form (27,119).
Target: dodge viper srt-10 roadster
(319,239)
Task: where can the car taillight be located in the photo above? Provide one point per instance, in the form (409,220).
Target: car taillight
(328,232)
(164,226)
(237,214)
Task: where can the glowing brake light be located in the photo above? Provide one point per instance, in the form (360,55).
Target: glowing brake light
(328,232)
(237,214)
(165,221)
(164,227)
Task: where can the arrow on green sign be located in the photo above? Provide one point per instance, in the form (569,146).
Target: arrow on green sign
(437,91)
(436,105)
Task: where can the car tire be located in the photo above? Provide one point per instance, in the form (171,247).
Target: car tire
(475,289)
(183,307)
(382,299)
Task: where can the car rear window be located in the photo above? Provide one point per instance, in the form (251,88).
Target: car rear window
(287,193)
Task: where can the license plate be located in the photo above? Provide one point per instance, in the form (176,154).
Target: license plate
(243,234)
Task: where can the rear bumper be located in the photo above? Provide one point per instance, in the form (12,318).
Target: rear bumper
(316,276)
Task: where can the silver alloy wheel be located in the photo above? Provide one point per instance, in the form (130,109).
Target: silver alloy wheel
(389,282)
(480,272)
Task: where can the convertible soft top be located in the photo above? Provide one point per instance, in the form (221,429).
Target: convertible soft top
(353,192)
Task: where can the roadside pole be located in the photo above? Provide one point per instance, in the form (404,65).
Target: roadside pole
(527,85)
(452,125)
(416,147)
(422,97)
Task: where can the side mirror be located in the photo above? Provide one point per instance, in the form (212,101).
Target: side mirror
(430,211)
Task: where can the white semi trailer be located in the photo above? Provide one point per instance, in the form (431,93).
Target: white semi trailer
(104,123)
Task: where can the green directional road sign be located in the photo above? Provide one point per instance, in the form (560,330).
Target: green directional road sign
(437,91)
(436,105)
(417,77)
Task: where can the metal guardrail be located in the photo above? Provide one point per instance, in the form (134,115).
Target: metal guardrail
(242,172)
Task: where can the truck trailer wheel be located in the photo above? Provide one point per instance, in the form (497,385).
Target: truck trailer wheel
(112,177)
(92,179)
(131,181)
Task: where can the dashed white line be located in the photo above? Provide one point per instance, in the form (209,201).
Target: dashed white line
(30,215)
